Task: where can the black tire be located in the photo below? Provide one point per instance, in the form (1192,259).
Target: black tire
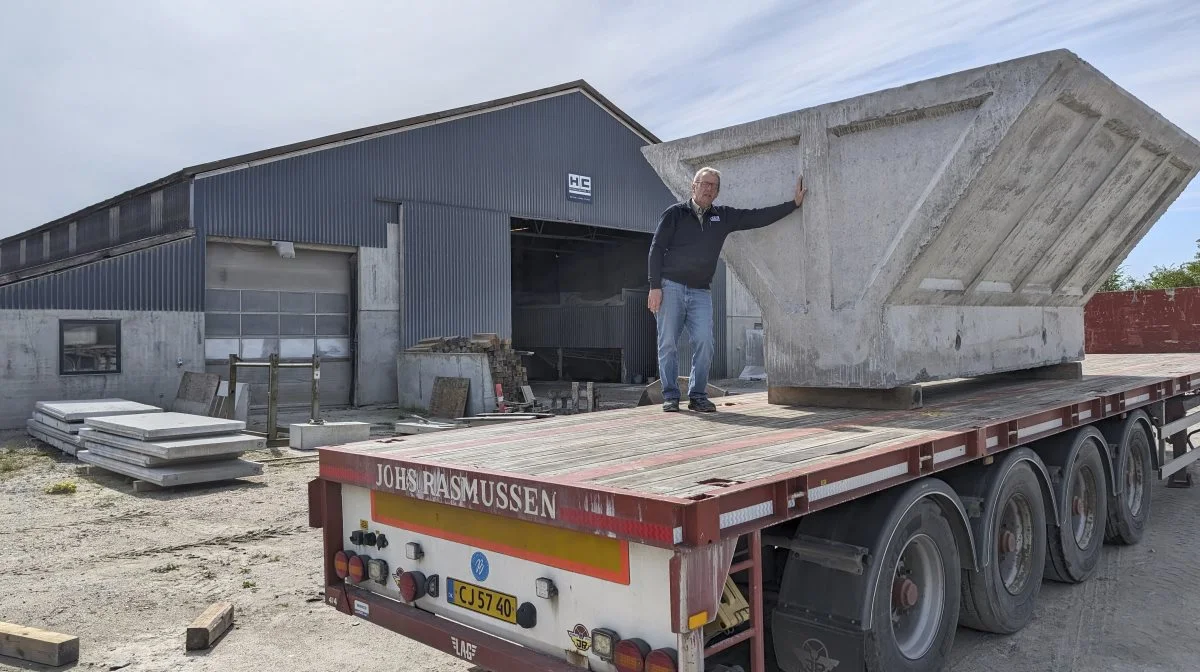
(1075,545)
(1001,598)
(1129,510)
(926,540)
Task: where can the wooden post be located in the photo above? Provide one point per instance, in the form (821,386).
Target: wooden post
(209,626)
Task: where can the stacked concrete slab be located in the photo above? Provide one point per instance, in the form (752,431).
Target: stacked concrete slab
(169,449)
(953,227)
(58,422)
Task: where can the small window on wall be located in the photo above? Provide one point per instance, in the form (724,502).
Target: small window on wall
(89,346)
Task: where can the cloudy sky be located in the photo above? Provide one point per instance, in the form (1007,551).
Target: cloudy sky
(99,97)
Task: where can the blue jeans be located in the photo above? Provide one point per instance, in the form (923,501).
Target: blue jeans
(684,308)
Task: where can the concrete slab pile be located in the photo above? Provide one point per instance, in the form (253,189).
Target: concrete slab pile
(953,227)
(58,422)
(170,449)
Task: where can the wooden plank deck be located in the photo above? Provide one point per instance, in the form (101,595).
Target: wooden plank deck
(647,452)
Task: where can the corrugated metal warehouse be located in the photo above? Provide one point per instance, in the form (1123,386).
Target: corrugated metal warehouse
(528,216)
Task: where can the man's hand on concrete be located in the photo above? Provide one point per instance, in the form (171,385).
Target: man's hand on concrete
(654,301)
(800,191)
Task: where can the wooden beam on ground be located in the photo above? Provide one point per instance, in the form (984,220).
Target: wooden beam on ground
(209,626)
(38,646)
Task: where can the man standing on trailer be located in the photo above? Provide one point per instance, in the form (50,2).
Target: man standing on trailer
(683,260)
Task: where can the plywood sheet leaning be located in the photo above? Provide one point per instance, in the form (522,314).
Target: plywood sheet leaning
(449,397)
(953,227)
(197,393)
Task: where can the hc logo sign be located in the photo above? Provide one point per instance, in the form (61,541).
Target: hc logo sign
(579,188)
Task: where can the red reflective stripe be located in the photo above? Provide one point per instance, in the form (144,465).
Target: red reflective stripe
(637,528)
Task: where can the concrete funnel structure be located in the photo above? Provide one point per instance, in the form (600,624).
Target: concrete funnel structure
(953,227)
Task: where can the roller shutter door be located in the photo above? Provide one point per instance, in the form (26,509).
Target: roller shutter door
(258,303)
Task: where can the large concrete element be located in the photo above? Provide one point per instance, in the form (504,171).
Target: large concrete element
(953,227)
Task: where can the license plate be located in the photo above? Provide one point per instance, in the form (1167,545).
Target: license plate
(481,600)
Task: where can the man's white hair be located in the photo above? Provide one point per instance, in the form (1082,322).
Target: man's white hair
(707,169)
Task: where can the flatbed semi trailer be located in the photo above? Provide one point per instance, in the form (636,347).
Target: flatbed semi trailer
(759,537)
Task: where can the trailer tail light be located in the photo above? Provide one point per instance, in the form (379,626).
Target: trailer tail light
(412,586)
(341,563)
(630,655)
(662,660)
(358,568)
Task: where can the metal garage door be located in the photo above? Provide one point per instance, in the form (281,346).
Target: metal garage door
(258,302)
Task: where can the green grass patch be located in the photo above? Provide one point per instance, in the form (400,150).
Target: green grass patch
(61,488)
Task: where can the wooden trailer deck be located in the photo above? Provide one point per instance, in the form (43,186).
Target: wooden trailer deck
(669,478)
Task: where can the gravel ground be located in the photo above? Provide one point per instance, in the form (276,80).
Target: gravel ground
(127,572)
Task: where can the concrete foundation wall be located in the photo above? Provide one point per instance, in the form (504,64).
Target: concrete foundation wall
(379,329)
(156,348)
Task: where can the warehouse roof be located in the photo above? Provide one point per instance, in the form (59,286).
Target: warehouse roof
(578,85)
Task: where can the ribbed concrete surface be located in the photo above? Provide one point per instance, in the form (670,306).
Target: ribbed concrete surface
(953,227)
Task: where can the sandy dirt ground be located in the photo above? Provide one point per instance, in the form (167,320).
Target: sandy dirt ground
(127,572)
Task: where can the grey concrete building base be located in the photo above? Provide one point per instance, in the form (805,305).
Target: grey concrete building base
(307,436)
(1065,371)
(900,398)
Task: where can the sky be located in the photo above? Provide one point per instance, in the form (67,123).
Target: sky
(97,98)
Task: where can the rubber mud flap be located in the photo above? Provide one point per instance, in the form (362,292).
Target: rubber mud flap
(816,647)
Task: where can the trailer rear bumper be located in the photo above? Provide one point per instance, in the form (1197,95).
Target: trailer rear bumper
(473,646)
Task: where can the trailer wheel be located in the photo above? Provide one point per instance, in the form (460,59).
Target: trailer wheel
(1129,510)
(1082,496)
(916,597)
(1001,596)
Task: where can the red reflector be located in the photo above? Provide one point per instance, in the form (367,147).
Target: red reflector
(630,655)
(358,568)
(341,563)
(662,660)
(412,586)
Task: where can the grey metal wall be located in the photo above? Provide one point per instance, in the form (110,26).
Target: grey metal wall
(136,217)
(513,160)
(165,277)
(457,272)
(640,334)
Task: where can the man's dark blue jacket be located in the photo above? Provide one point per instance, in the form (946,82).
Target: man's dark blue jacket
(686,251)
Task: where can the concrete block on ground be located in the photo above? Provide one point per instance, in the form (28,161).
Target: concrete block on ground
(79,410)
(307,436)
(183,474)
(416,372)
(177,449)
(953,227)
(142,460)
(165,426)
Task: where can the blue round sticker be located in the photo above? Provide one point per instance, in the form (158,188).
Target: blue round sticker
(479,566)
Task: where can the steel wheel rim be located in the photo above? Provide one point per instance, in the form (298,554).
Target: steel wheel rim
(1083,507)
(1135,479)
(915,627)
(1014,544)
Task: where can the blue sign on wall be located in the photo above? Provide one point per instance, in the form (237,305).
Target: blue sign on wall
(579,188)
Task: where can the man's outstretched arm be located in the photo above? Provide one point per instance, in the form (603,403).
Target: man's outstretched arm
(756,218)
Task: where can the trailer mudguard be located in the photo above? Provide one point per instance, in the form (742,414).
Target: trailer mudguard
(824,615)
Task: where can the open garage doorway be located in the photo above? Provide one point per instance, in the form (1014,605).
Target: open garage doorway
(579,302)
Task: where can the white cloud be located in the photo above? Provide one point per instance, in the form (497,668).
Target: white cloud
(98,98)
